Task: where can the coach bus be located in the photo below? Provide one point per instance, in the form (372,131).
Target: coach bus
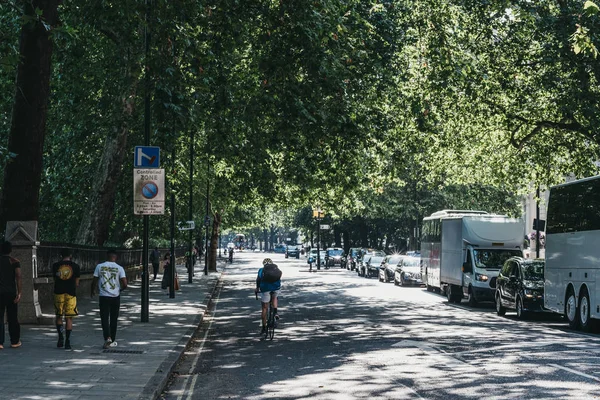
(572,273)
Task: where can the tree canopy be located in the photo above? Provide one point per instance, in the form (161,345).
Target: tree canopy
(376,111)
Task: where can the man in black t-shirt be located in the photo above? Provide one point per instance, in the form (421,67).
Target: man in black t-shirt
(10,295)
(66,279)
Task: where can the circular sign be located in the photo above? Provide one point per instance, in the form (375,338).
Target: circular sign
(149,190)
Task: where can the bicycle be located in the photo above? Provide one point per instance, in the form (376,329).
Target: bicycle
(271,323)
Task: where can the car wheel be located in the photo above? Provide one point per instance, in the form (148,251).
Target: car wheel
(402,279)
(584,312)
(395,281)
(472,299)
(500,309)
(521,314)
(571,310)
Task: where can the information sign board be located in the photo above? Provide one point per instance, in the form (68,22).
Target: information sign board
(148,191)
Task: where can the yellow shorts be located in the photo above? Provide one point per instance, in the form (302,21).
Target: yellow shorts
(65,304)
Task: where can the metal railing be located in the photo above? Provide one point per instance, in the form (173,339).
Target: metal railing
(88,256)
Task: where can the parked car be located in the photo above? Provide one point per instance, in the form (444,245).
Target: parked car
(365,254)
(334,257)
(408,271)
(388,268)
(312,257)
(370,265)
(352,258)
(292,251)
(520,286)
(280,248)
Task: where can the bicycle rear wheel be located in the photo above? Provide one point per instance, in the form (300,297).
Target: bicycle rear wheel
(271,324)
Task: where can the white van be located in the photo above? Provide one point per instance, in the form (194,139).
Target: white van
(463,251)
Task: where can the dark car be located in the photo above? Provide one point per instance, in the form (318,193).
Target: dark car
(279,248)
(408,271)
(388,268)
(334,257)
(520,286)
(370,265)
(292,251)
(353,258)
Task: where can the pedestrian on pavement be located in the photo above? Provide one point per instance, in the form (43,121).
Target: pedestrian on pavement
(109,279)
(10,295)
(66,280)
(166,279)
(155,260)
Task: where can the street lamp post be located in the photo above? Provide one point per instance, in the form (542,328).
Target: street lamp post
(318,214)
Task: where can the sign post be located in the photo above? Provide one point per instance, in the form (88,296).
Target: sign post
(318,214)
(148,199)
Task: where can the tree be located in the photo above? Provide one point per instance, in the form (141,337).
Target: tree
(23,172)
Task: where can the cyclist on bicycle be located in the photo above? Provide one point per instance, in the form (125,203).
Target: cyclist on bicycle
(267,282)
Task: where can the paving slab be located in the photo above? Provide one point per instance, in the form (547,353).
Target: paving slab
(138,368)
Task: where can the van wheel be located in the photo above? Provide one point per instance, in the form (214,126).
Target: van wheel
(584,311)
(472,299)
(500,309)
(571,310)
(521,314)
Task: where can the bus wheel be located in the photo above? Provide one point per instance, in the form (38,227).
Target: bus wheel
(571,311)
(584,311)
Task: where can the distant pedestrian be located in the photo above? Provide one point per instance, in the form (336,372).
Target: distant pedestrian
(66,280)
(10,295)
(166,279)
(110,279)
(155,260)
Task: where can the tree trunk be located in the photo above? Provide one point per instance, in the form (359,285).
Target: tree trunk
(23,172)
(95,223)
(214,243)
(347,244)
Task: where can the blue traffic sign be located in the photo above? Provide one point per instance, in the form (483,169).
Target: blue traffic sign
(146,157)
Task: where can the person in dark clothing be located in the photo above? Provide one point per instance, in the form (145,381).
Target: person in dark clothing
(166,279)
(155,260)
(66,280)
(10,295)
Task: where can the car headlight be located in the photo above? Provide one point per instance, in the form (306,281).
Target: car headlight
(530,293)
(408,275)
(481,277)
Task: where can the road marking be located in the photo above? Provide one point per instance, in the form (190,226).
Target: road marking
(575,372)
(197,358)
(503,347)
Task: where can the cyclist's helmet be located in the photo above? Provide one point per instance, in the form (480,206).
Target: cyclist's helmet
(267,261)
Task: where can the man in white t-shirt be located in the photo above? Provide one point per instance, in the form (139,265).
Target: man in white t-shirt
(109,279)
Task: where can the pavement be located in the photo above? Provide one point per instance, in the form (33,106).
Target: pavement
(138,368)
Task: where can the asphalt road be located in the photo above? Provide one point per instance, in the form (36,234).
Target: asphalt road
(346,337)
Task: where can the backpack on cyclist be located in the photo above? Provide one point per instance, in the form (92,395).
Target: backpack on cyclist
(271,273)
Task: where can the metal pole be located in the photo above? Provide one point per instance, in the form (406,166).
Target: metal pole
(318,242)
(206,219)
(145,276)
(537,225)
(172,259)
(191,205)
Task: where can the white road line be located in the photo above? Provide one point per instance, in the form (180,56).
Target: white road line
(197,358)
(575,372)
